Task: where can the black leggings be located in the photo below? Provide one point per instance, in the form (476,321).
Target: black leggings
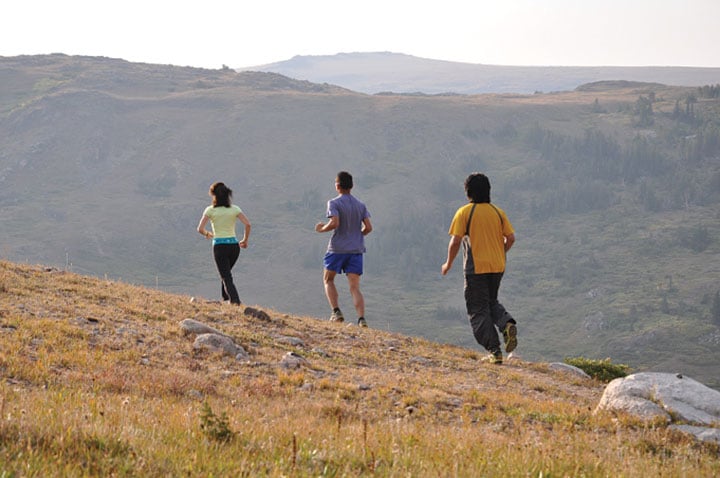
(226,255)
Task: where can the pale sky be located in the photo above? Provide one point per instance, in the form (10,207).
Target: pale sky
(242,33)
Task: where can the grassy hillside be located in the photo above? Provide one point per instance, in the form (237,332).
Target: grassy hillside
(96,379)
(614,191)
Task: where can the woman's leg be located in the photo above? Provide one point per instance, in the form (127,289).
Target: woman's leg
(226,256)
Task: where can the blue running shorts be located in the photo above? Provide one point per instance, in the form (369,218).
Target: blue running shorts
(347,263)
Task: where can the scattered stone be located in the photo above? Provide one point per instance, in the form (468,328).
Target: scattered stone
(569,369)
(257,313)
(294,341)
(86,321)
(320,352)
(190,326)
(420,360)
(663,395)
(293,360)
(218,343)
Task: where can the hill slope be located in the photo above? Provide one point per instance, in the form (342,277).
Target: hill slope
(384,71)
(614,192)
(97,379)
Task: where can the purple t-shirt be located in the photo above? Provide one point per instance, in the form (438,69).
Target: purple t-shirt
(347,238)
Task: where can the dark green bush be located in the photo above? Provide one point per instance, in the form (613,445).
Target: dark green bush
(601,370)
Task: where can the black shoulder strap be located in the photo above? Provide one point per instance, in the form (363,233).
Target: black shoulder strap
(467,228)
(502,223)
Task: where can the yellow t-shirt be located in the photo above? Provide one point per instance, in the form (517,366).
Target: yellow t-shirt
(484,250)
(223,219)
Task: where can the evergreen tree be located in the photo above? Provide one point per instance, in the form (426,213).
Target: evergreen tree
(715,309)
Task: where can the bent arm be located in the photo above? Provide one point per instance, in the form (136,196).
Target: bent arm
(452,252)
(246,222)
(509,241)
(366,226)
(201,227)
(333,223)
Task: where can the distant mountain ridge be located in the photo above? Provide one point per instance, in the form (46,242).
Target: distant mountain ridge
(377,72)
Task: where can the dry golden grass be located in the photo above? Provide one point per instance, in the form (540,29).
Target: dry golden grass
(97,379)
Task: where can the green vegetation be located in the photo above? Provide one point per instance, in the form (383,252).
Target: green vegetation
(215,427)
(602,370)
(98,380)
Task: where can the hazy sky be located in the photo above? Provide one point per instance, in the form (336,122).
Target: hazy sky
(239,33)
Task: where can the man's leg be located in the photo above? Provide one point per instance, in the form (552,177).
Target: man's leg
(501,317)
(357,297)
(477,302)
(330,290)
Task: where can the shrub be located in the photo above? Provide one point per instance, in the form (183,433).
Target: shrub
(215,427)
(601,370)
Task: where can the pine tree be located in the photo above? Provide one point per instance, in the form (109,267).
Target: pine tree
(715,309)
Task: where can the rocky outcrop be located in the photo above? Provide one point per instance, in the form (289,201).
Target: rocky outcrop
(672,398)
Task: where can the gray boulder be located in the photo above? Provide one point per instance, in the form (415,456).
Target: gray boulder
(190,326)
(671,397)
(711,435)
(293,360)
(219,344)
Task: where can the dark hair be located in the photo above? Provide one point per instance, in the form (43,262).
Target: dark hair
(221,194)
(344,180)
(477,187)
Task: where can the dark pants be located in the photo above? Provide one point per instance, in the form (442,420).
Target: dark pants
(226,255)
(484,310)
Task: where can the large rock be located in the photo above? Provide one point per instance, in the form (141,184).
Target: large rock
(711,435)
(190,326)
(668,396)
(219,343)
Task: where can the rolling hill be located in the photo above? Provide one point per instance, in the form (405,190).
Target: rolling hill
(613,189)
(99,378)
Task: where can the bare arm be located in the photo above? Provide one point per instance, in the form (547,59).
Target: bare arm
(509,241)
(201,227)
(453,249)
(366,227)
(333,223)
(246,222)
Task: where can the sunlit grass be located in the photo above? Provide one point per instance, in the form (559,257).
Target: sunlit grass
(98,380)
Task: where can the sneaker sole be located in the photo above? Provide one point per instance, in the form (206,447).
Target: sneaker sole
(511,339)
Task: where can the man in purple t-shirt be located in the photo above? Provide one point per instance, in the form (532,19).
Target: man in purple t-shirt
(350,223)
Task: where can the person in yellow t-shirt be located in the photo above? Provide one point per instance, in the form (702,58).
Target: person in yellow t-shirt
(486,235)
(222,215)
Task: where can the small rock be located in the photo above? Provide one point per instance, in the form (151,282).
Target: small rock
(567,368)
(293,360)
(257,313)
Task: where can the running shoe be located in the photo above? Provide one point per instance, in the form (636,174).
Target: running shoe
(510,336)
